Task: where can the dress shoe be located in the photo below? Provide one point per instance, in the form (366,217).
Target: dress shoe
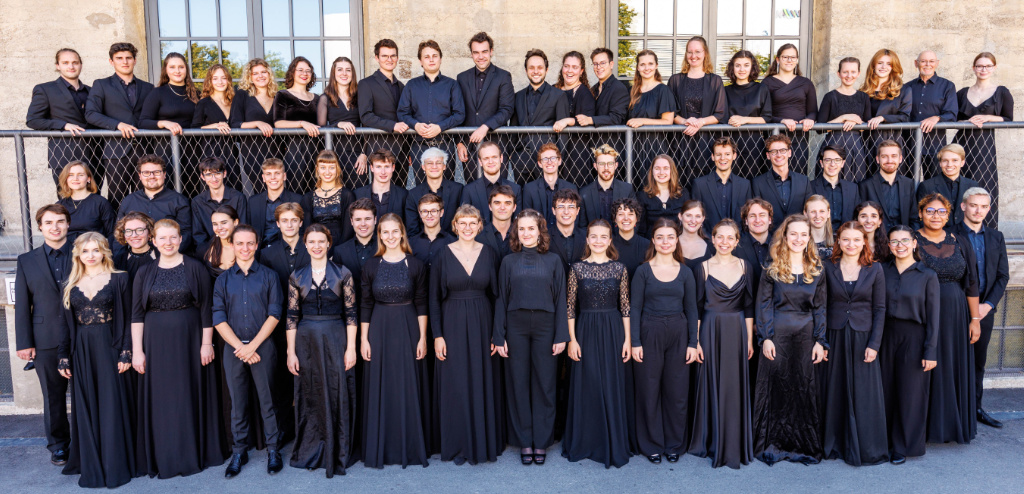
(656,459)
(274,462)
(235,465)
(526,458)
(898,459)
(988,420)
(672,458)
(540,458)
(59,457)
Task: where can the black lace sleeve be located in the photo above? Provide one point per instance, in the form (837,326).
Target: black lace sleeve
(294,304)
(571,294)
(623,291)
(348,287)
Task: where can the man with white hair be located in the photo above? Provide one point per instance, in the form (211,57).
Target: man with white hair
(433,162)
(934,101)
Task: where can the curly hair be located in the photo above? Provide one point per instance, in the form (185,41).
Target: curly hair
(780,269)
(132,216)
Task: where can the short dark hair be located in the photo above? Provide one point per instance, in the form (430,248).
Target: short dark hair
(535,53)
(481,37)
(362,204)
(382,155)
(51,208)
(56,58)
(212,163)
(783,138)
(629,204)
(430,198)
(428,44)
(149,159)
(503,190)
(722,142)
(318,228)
(243,228)
(841,151)
(123,46)
(565,195)
(598,51)
(384,43)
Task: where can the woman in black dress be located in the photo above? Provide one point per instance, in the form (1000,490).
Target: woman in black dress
(463,284)
(322,326)
(171,106)
(854,407)
(747,102)
(650,103)
(596,425)
(664,341)
(295,108)
(572,80)
(725,296)
(393,317)
(848,106)
(172,347)
(694,241)
(951,401)
(328,202)
(983,102)
(220,255)
(134,231)
(869,215)
(794,102)
(337,108)
(662,196)
(252,108)
(531,327)
(90,212)
(791,325)
(819,212)
(97,351)
(889,102)
(700,101)
(213,112)
(909,344)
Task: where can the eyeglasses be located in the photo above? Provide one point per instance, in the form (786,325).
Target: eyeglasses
(777,152)
(430,212)
(936,212)
(789,59)
(388,57)
(984,67)
(138,232)
(605,164)
(832,161)
(155,173)
(550,159)
(901,241)
(602,64)
(212,174)
(303,71)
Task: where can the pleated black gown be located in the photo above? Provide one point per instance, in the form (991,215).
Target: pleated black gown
(462,312)
(596,423)
(722,429)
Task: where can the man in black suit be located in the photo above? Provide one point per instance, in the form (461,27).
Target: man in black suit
(785,190)
(539,194)
(488,154)
(433,163)
(753,248)
(60,105)
(39,324)
(388,197)
(212,171)
(722,192)
(537,105)
(598,196)
(950,184)
(993,275)
(157,201)
(495,233)
(842,195)
(894,192)
(489,97)
(262,206)
(354,253)
(567,239)
(612,94)
(115,103)
(378,97)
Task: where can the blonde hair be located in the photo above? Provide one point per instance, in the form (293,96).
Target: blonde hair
(707,67)
(466,211)
(948,148)
(780,269)
(78,267)
(404,246)
(208,90)
(65,191)
(829,237)
(246,84)
(329,157)
(605,150)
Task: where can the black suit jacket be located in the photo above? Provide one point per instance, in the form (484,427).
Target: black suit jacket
(552,107)
(396,199)
(871,190)
(763,186)
(864,307)
(533,197)
(451,196)
(39,309)
(704,191)
(612,103)
(52,107)
(378,108)
(108,106)
(940,185)
(849,190)
(997,266)
(275,257)
(475,193)
(591,206)
(492,106)
(258,209)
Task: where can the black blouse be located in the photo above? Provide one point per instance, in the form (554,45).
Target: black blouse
(652,297)
(532,281)
(654,209)
(632,252)
(246,108)
(288,107)
(796,100)
(836,104)
(92,214)
(165,103)
(581,101)
(893,110)
(1000,103)
(208,112)
(748,100)
(914,296)
(710,93)
(329,114)
(653,103)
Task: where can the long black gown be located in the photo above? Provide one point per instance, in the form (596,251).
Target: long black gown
(394,295)
(980,144)
(787,417)
(951,400)
(722,429)
(596,424)
(325,393)
(462,312)
(102,445)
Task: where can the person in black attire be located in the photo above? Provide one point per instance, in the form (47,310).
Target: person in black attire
(894,192)
(496,233)
(889,103)
(434,235)
(90,212)
(171,106)
(700,100)
(295,108)
(611,100)
(650,103)
(213,171)
(848,106)
(567,239)
(630,245)
(537,105)
(328,201)
(785,189)
(539,194)
(247,305)
(262,207)
(477,192)
(39,323)
(934,100)
(572,80)
(794,101)
(693,238)
(338,108)
(951,183)
(531,328)
(252,108)
(213,111)
(993,274)
(842,195)
(133,232)
(747,102)
(869,215)
(597,197)
(115,103)
(663,195)
(157,201)
(753,249)
(354,253)
(378,97)
(489,97)
(388,196)
(433,165)
(722,192)
(60,105)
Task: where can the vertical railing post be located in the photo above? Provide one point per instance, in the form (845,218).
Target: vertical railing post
(26,211)
(176,162)
(328,141)
(629,155)
(918,145)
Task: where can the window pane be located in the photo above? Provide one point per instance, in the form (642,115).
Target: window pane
(171,16)
(202,18)
(234,55)
(762,49)
(680,58)
(726,49)
(336,18)
(204,54)
(787,17)
(172,47)
(306,17)
(627,56)
(689,17)
(631,18)
(275,18)
(335,49)
(663,48)
(311,50)
(729,19)
(234,18)
(759,17)
(660,23)
(278,54)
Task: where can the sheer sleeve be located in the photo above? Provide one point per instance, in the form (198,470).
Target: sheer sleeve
(321,111)
(571,295)
(765,311)
(349,291)
(818,310)
(294,303)
(623,290)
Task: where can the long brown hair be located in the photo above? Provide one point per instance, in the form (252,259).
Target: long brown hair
(638,82)
(289,75)
(611,252)
(675,189)
(78,268)
(62,181)
(333,90)
(543,238)
(893,86)
(866,256)
(663,222)
(781,270)
(229,93)
(403,245)
(190,89)
(214,251)
(583,74)
(694,204)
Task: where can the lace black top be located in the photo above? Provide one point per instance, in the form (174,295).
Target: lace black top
(320,299)
(952,261)
(393,283)
(109,310)
(95,312)
(170,290)
(331,211)
(598,287)
(693,92)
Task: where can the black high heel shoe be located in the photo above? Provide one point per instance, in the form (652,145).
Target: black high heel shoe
(526,458)
(540,458)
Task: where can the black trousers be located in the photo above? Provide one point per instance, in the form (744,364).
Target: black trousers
(55,401)
(530,376)
(662,383)
(905,385)
(981,354)
(241,377)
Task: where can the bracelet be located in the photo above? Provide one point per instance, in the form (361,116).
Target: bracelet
(207,344)
(975,318)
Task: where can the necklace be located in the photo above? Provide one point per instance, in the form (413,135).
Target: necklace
(328,191)
(320,271)
(171,86)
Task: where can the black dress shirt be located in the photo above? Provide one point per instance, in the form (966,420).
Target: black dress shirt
(451,195)
(993,264)
(79,94)
(477,192)
(569,249)
(58,261)
(246,300)
(874,188)
(489,96)
(914,296)
(166,204)
(538,195)
(833,193)
(710,190)
(432,102)
(936,97)
(490,237)
(425,249)
(978,243)
(785,188)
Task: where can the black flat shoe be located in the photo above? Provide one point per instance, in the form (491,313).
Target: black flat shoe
(235,465)
(526,458)
(656,459)
(540,458)
(898,459)
(59,457)
(672,458)
(985,418)
(274,462)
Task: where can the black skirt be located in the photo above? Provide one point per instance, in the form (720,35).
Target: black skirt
(854,408)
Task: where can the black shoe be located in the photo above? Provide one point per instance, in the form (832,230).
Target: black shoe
(988,420)
(672,458)
(59,457)
(274,463)
(526,458)
(898,459)
(235,466)
(656,459)
(540,458)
